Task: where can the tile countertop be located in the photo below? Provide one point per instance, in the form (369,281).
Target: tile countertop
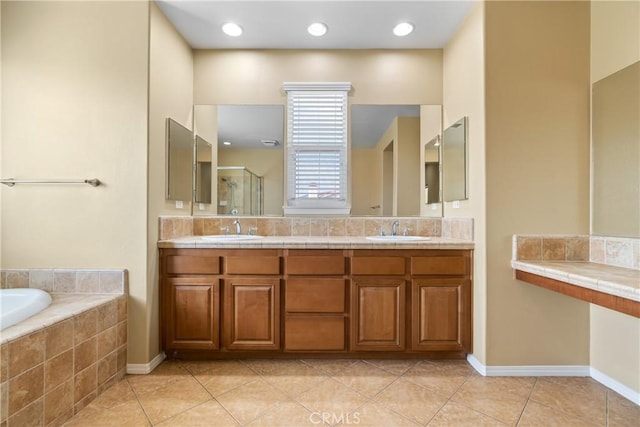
(618,281)
(315,242)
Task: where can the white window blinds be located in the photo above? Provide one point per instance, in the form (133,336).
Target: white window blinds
(317,148)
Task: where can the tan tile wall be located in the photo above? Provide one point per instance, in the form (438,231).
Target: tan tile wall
(456,228)
(551,247)
(616,251)
(48,376)
(67,280)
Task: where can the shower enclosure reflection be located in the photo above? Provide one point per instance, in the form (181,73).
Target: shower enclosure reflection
(239,191)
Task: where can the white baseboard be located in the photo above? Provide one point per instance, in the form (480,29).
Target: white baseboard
(554,371)
(529,371)
(616,386)
(145,368)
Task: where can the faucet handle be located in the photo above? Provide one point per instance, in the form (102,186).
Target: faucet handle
(380,231)
(405,231)
(252,231)
(225,230)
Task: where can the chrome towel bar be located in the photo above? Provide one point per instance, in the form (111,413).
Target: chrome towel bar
(94,182)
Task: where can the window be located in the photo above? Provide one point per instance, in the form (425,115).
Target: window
(317,148)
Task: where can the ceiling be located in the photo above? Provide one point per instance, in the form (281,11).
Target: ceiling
(354,24)
(370,122)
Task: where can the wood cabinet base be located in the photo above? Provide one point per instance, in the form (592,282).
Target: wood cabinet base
(333,303)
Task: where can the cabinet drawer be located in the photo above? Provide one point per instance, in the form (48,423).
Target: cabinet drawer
(314,333)
(315,295)
(182,264)
(440,265)
(382,265)
(315,265)
(252,265)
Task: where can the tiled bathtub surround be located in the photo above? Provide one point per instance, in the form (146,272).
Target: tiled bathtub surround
(66,280)
(457,228)
(56,362)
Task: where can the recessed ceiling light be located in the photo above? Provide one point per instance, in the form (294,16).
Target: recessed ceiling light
(403,29)
(317,29)
(231,29)
(226,143)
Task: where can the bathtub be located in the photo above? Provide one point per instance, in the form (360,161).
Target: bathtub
(19,304)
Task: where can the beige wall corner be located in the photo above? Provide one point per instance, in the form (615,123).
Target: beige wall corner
(170,95)
(537,171)
(463,94)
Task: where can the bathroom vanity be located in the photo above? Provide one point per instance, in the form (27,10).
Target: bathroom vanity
(374,301)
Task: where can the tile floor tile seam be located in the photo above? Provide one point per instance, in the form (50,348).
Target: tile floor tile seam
(578,417)
(467,407)
(214,398)
(133,390)
(193,407)
(387,370)
(260,414)
(449,400)
(535,382)
(533,399)
(274,407)
(327,373)
(367,399)
(488,415)
(374,402)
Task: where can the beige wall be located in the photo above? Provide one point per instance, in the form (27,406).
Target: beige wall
(378,76)
(615,36)
(537,171)
(170,95)
(265,163)
(463,94)
(74,80)
(615,44)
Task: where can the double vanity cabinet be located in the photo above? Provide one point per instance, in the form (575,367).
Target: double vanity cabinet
(240,302)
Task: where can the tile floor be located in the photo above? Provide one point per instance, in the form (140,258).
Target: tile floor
(351,392)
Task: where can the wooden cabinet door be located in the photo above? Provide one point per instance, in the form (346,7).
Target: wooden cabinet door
(192,313)
(441,315)
(252,313)
(378,314)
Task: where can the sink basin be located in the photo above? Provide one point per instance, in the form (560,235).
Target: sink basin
(231,237)
(397,238)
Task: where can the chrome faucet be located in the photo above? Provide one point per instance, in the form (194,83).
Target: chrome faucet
(394,228)
(238,227)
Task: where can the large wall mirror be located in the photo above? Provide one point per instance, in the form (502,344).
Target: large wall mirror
(454,161)
(179,164)
(616,154)
(388,149)
(247,178)
(239,164)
